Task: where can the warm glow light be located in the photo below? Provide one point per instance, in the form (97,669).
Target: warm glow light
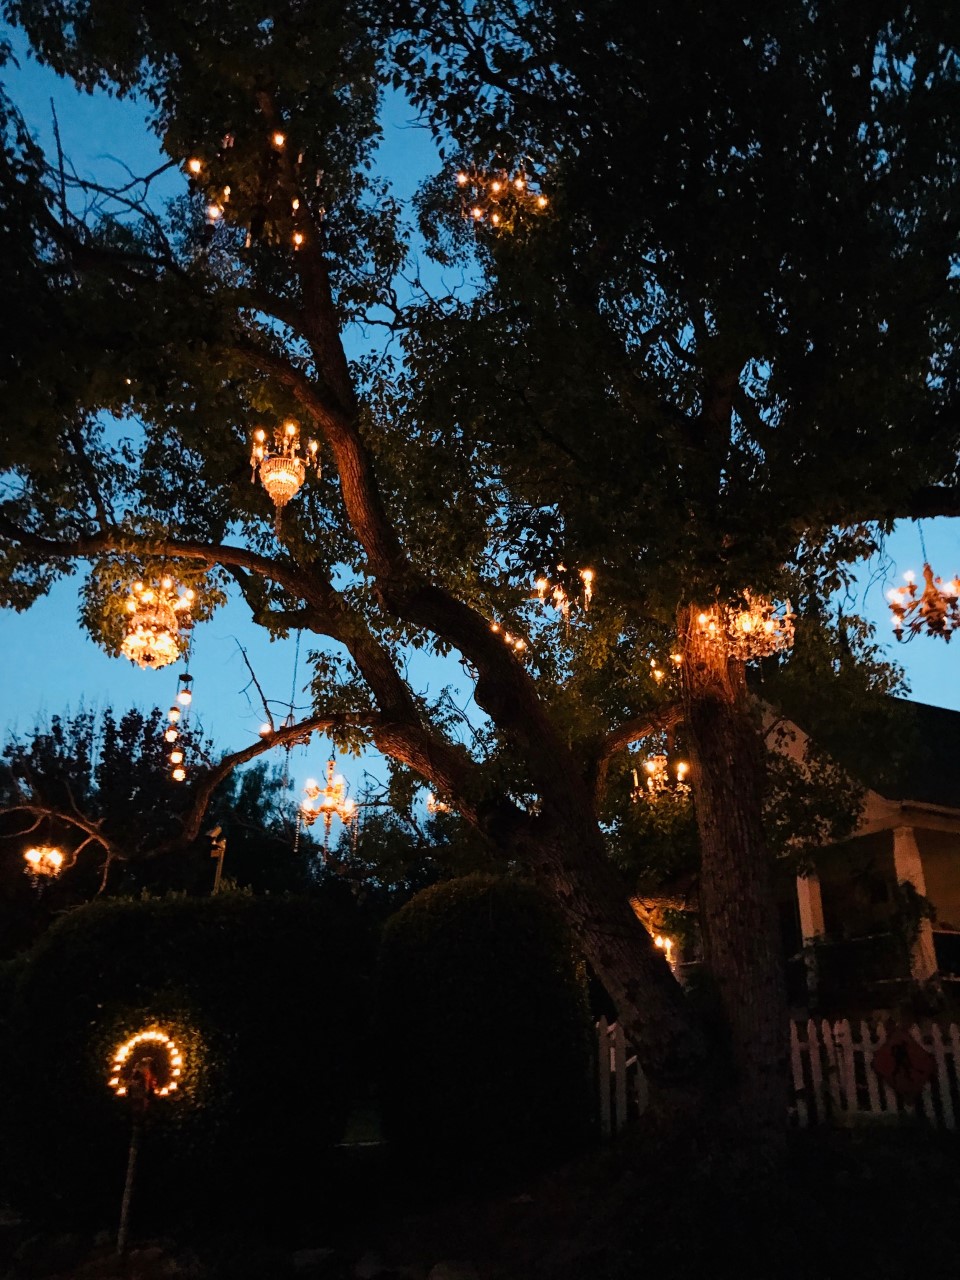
(150,1059)
(179,774)
(755,629)
(158,618)
(171,735)
(297,239)
(194,166)
(43,860)
(278,140)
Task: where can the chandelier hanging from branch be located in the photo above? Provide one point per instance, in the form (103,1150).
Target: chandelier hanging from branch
(43,860)
(757,629)
(496,196)
(328,802)
(159,619)
(935,609)
(662,774)
(282,465)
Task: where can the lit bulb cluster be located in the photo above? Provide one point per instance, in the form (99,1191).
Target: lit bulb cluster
(556,595)
(219,197)
(661,775)
(282,466)
(159,617)
(149,1059)
(516,643)
(177,722)
(43,860)
(665,945)
(328,802)
(935,610)
(759,630)
(436,806)
(496,196)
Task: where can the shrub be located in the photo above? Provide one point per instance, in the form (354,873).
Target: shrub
(259,991)
(485,1033)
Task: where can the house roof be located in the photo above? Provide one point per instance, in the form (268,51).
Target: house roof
(928,771)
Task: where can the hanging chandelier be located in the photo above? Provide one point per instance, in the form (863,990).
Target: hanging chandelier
(495,196)
(756,630)
(328,802)
(661,775)
(936,609)
(158,618)
(43,860)
(282,466)
(555,594)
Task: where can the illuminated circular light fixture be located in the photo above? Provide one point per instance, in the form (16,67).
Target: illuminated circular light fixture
(282,466)
(149,1064)
(936,610)
(158,618)
(43,860)
(759,629)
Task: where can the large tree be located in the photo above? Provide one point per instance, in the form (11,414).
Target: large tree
(720,350)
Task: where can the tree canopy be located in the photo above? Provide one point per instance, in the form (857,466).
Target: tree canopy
(713,354)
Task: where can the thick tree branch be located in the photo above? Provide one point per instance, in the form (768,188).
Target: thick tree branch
(630,731)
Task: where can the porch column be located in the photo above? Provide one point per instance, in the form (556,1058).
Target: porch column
(810,903)
(908,867)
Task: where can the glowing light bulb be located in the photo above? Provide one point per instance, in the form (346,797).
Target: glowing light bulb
(278,140)
(179,773)
(194,165)
(462,179)
(171,735)
(176,757)
(297,239)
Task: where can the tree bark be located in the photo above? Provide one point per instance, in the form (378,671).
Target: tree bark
(741,934)
(574,868)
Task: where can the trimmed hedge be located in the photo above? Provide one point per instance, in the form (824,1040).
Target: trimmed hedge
(486,1047)
(261,992)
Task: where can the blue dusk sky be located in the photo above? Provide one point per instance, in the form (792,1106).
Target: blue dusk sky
(51,666)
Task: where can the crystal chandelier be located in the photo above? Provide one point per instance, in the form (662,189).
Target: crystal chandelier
(327,803)
(43,860)
(282,466)
(661,775)
(158,616)
(936,609)
(757,630)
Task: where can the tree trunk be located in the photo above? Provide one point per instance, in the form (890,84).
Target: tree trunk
(741,934)
(575,869)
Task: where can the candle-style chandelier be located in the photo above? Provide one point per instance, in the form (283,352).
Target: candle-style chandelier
(495,196)
(661,774)
(159,618)
(936,609)
(44,861)
(757,629)
(328,802)
(282,465)
(556,594)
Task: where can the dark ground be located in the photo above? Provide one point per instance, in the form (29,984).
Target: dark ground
(853,1203)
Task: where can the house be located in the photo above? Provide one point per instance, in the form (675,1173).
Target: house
(876,919)
(856,929)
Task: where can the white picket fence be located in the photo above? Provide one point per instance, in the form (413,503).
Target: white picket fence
(832,1073)
(620,1080)
(834,1080)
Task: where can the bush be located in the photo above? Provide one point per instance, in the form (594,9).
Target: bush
(260,992)
(486,1037)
